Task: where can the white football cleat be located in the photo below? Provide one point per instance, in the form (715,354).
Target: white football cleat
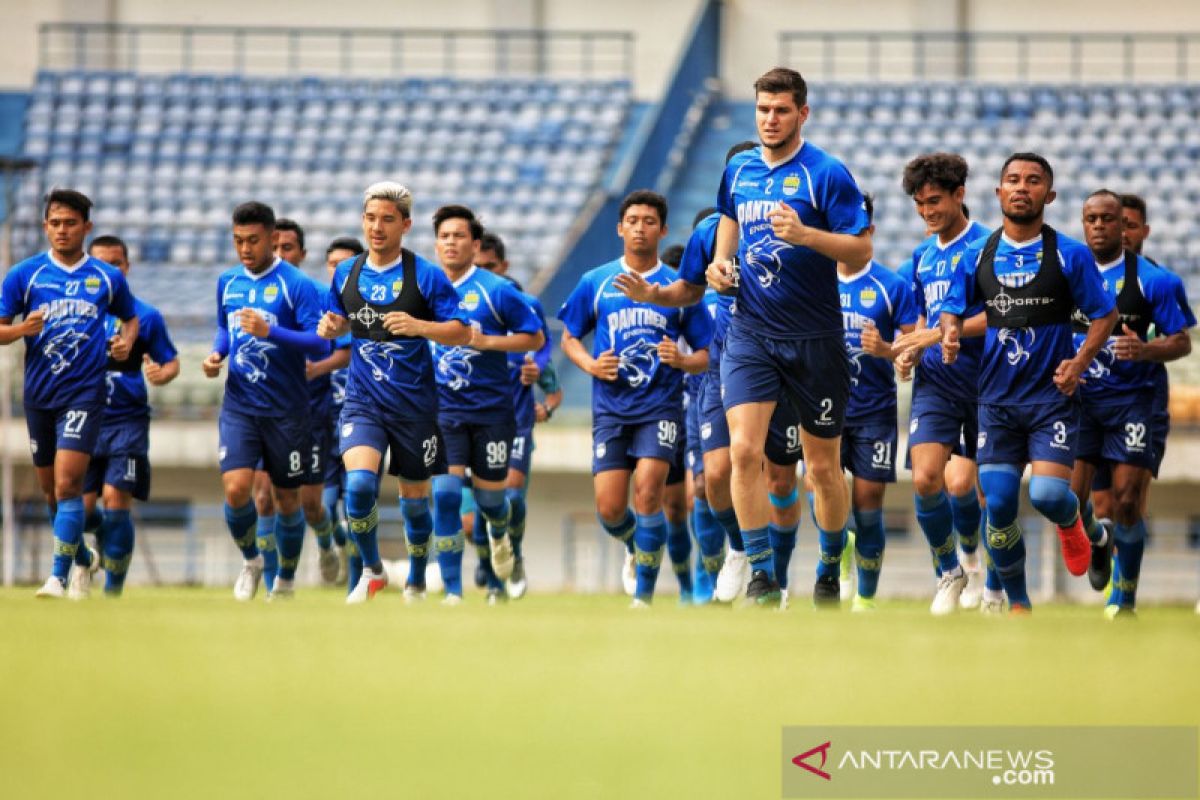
(369,585)
(733,577)
(413,595)
(992,603)
(972,593)
(452,600)
(629,574)
(783,599)
(502,556)
(329,564)
(949,590)
(52,589)
(517,585)
(246,585)
(79,586)
(282,590)
(638,604)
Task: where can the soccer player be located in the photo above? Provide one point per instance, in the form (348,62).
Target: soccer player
(267,311)
(476,415)
(1030,278)
(790,211)
(394,303)
(120,467)
(942,424)
(65,298)
(1117,420)
(637,388)
(877,305)
(526,371)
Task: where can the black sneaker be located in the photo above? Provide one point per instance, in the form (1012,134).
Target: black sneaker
(1100,567)
(480,575)
(762,591)
(827,592)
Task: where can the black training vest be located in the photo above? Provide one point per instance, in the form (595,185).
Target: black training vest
(1132,306)
(134,362)
(366,319)
(1045,300)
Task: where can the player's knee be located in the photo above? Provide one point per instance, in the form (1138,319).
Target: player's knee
(698,489)
(781,484)
(823,475)
(1002,489)
(1051,496)
(647,499)
(1127,503)
(744,455)
(447,495)
(288,501)
(927,481)
(66,486)
(362,487)
(611,509)
(959,484)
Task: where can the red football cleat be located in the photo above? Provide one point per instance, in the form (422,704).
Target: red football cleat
(1076,548)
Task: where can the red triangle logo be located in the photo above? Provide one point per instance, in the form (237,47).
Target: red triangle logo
(819,770)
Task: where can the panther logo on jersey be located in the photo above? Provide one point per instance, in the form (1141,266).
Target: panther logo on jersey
(252,359)
(856,356)
(454,367)
(338,382)
(110,385)
(378,356)
(63,349)
(639,361)
(763,256)
(1012,336)
(1102,364)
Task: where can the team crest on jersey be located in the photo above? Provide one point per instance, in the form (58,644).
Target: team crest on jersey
(92,285)
(791,185)
(397,285)
(470,300)
(1120,284)
(868,297)
(955,259)
(270,294)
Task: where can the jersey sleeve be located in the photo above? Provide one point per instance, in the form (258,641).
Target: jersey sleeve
(1168,318)
(904,304)
(12,294)
(441,297)
(1087,287)
(542,356)
(841,201)
(222,321)
(697,254)
(343,342)
(153,330)
(578,313)
(517,313)
(1181,299)
(548,380)
(960,293)
(121,305)
(725,202)
(308,306)
(697,326)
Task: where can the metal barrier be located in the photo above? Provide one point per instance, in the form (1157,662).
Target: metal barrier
(992,56)
(345,52)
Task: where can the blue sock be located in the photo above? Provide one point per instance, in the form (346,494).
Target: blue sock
(868,549)
(516,519)
(1131,545)
(68,535)
(493,507)
(1005,545)
(448,538)
(240,522)
(329,498)
(418,528)
(622,529)
(362,515)
(967,516)
(268,545)
(991,580)
(1091,525)
(936,519)
(1054,499)
(289,538)
(830,544)
(92,522)
(679,549)
(783,543)
(649,537)
(758,551)
(710,538)
(728,521)
(479,538)
(324,530)
(118,550)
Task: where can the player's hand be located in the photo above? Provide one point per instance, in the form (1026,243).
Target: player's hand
(950,345)
(253,323)
(33,323)
(401,323)
(721,277)
(118,348)
(212,365)
(872,343)
(786,224)
(539,412)
(332,326)
(530,371)
(635,287)
(605,366)
(154,371)
(917,339)
(1067,376)
(1128,347)
(668,353)
(904,364)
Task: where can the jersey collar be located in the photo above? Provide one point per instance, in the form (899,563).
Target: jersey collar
(851,278)
(367,263)
(274,265)
(466,276)
(64,267)
(1019,245)
(785,159)
(1119,261)
(652,271)
(938,241)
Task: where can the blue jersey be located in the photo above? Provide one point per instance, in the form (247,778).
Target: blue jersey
(65,364)
(935,266)
(777,278)
(880,297)
(523,401)
(127,397)
(320,389)
(644,390)
(1018,364)
(396,377)
(475,385)
(712,304)
(697,255)
(1110,381)
(266,378)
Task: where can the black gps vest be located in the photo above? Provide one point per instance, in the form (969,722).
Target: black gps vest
(134,362)
(1132,306)
(366,319)
(1045,300)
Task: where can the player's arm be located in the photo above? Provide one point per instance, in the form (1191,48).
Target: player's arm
(31,325)
(220,349)
(677,294)
(512,343)
(1128,347)
(603,367)
(725,247)
(875,345)
(339,359)
(1067,376)
(853,249)
(160,374)
(692,363)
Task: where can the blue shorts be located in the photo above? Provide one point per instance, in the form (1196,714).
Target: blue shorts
(121,459)
(869,450)
(66,428)
(281,445)
(415,444)
(783,445)
(1118,434)
(318,460)
(813,373)
(938,419)
(1045,432)
(1102,478)
(617,445)
(482,447)
(713,429)
(1160,426)
(520,455)
(335,470)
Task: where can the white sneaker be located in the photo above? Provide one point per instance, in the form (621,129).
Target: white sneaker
(502,556)
(79,586)
(733,577)
(629,574)
(369,585)
(343,572)
(329,564)
(413,595)
(246,585)
(992,603)
(52,589)
(517,585)
(452,600)
(638,604)
(972,593)
(949,590)
(783,599)
(282,590)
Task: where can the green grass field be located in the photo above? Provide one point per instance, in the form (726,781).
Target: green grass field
(183,693)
